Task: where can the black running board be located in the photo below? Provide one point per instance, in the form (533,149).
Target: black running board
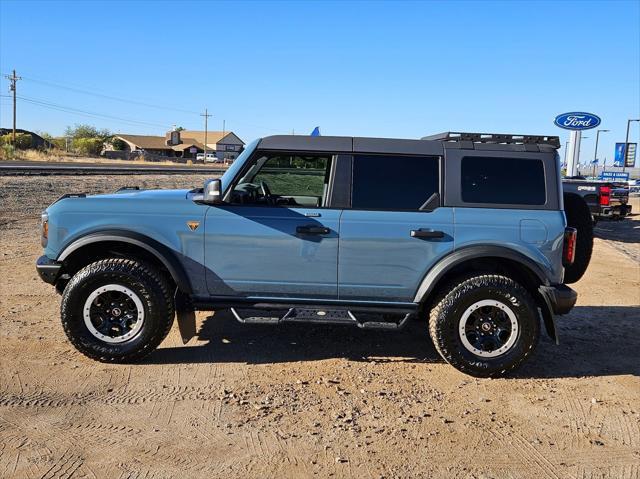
(301,314)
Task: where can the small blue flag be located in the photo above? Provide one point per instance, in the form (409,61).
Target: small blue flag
(316,131)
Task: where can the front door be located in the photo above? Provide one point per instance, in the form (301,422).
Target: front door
(395,230)
(275,237)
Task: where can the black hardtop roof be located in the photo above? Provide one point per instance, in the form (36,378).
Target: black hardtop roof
(428,145)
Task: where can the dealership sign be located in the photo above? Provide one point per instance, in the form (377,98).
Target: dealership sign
(625,156)
(614,176)
(577,120)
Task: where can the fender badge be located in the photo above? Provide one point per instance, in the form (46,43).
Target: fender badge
(193,225)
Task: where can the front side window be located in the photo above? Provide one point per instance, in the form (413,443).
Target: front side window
(285,180)
(509,181)
(387,182)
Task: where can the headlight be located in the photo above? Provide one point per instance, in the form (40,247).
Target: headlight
(44,229)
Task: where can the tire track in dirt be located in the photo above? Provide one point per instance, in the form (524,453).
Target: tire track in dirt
(631,471)
(79,437)
(34,441)
(64,467)
(40,399)
(600,423)
(528,454)
(577,420)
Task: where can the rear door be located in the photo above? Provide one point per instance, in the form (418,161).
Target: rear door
(394,229)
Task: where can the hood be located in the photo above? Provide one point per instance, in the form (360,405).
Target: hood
(148,195)
(126,200)
(158,214)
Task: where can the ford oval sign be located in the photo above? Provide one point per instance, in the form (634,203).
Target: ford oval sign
(577,120)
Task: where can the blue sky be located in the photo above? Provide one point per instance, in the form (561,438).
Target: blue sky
(390,69)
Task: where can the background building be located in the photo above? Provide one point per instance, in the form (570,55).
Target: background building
(185,144)
(226,144)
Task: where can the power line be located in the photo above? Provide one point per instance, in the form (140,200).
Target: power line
(66,109)
(108,97)
(84,112)
(85,91)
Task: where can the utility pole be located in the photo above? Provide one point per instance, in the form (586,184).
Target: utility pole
(595,152)
(206,118)
(12,87)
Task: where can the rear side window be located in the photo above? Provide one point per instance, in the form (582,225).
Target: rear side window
(507,181)
(393,182)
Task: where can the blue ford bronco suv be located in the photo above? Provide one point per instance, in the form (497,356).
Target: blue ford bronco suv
(465,229)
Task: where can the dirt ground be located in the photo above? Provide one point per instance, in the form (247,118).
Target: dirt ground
(298,401)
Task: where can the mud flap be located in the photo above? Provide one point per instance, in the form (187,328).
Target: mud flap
(186,316)
(549,318)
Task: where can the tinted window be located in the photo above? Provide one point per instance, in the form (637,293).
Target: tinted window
(393,182)
(503,181)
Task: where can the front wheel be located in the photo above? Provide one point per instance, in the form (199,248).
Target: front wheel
(486,326)
(117,310)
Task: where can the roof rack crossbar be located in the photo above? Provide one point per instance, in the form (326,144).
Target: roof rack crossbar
(495,138)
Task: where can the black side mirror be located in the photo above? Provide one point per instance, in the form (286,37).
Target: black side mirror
(213,192)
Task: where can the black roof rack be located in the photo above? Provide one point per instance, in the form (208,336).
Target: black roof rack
(495,138)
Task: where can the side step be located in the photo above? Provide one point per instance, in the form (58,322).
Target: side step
(313,315)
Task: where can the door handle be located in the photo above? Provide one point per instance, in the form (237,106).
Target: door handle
(312,230)
(423,233)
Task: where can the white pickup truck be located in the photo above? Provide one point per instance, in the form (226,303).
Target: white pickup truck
(211,158)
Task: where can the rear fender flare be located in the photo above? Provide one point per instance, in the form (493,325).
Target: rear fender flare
(446,264)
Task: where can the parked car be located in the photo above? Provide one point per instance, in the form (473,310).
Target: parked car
(212,158)
(338,230)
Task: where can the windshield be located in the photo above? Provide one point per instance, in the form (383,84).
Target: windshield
(236,166)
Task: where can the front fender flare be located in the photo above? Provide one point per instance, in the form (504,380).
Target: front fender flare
(167,256)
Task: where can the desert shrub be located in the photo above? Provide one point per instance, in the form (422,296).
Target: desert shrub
(118,144)
(88,146)
(86,131)
(23,140)
(7,152)
(59,143)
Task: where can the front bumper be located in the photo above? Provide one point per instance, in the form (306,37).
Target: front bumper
(560,297)
(48,269)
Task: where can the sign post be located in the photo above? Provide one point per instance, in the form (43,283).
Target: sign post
(576,122)
(573,152)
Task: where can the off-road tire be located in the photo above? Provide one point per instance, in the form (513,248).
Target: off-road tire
(145,281)
(445,317)
(579,217)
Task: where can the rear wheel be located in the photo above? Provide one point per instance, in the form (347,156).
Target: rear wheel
(117,310)
(485,326)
